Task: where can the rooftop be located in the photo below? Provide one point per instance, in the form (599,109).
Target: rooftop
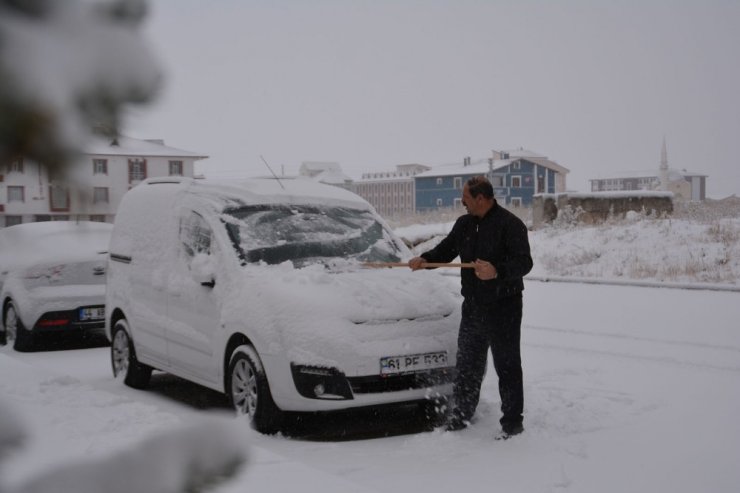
(128,146)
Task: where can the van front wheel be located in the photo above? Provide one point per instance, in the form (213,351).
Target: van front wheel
(123,358)
(249,391)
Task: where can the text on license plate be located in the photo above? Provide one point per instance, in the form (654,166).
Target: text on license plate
(390,365)
(92,313)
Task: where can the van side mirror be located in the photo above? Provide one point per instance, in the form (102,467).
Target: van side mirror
(203,269)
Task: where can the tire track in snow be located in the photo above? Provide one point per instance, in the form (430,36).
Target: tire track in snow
(680,353)
(634,338)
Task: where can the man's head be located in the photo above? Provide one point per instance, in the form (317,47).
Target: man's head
(478,196)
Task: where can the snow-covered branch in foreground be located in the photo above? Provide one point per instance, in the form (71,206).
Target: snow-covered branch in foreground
(68,67)
(190,459)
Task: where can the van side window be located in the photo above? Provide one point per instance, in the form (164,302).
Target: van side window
(195,235)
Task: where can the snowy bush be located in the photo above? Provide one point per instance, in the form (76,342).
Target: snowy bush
(568,216)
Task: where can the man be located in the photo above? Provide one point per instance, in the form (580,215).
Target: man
(496,242)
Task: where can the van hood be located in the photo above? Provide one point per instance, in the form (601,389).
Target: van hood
(362,296)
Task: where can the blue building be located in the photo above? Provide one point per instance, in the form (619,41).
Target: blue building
(516,177)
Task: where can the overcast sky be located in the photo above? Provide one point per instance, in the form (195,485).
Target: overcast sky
(593,85)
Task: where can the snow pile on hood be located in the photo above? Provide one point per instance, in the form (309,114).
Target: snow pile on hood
(359,296)
(354,309)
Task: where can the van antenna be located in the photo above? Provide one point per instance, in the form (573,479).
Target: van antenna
(273,173)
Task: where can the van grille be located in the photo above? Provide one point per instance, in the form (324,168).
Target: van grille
(375,384)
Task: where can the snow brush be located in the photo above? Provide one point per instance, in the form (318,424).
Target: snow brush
(380,265)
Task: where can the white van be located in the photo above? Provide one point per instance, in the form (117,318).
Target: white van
(258,290)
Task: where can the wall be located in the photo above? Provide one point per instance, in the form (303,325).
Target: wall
(599,206)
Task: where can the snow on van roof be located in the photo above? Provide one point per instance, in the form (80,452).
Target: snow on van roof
(270,190)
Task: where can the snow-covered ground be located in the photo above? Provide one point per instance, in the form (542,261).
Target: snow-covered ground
(684,250)
(627,388)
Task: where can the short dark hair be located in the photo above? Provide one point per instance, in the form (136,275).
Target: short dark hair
(479,185)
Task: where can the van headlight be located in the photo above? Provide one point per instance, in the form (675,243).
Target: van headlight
(319,382)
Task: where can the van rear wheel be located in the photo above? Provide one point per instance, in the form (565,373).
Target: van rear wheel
(249,391)
(123,358)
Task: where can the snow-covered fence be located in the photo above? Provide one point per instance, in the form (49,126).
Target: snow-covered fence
(599,206)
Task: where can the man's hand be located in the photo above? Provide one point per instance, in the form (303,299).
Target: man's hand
(484,270)
(416,263)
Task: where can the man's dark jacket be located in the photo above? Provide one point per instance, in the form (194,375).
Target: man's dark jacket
(499,238)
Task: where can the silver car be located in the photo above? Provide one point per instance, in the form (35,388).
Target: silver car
(52,279)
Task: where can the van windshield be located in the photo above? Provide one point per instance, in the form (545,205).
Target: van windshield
(306,234)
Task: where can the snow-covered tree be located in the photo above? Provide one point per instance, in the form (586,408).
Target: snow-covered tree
(67,68)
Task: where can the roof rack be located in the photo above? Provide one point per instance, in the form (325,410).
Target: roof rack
(167,179)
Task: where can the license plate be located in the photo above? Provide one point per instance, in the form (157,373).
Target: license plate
(391,365)
(92,313)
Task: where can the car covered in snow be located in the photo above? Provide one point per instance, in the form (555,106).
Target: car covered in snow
(260,290)
(52,279)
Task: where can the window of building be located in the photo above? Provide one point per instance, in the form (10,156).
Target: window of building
(97,218)
(497,181)
(458,183)
(16,166)
(439,181)
(439,202)
(13,220)
(458,203)
(40,218)
(60,217)
(100,166)
(175,168)
(16,194)
(136,170)
(516,181)
(516,165)
(100,195)
(516,202)
(58,198)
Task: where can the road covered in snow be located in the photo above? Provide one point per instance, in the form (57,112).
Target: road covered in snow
(626,389)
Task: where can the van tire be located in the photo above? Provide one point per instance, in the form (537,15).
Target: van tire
(14,331)
(249,391)
(123,358)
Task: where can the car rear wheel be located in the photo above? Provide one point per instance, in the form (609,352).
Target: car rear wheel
(15,332)
(123,358)
(249,391)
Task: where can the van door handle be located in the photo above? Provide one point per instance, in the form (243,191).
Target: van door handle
(209,284)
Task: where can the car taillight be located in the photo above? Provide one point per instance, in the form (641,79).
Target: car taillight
(53,322)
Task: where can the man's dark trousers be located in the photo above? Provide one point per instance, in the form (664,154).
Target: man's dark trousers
(496,325)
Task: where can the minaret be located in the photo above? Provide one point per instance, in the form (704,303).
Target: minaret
(663,176)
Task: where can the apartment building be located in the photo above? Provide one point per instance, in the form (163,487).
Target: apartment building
(392,193)
(92,187)
(516,175)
